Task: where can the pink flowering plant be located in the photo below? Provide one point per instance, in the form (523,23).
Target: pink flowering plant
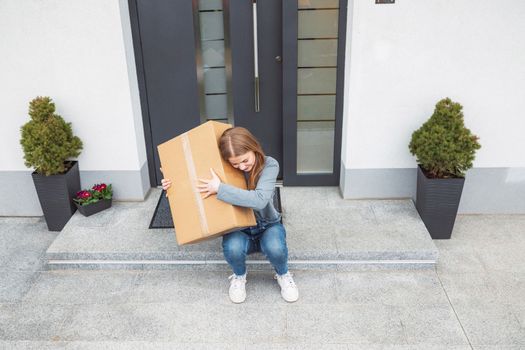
(93,195)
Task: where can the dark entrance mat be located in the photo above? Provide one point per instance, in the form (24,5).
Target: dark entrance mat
(162,215)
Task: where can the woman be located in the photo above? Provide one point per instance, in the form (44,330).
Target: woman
(238,146)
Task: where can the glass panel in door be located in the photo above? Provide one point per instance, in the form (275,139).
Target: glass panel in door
(317,38)
(213,60)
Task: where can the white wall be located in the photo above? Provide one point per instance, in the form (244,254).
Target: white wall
(80,54)
(404,57)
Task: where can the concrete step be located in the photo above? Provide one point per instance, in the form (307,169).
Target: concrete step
(324,231)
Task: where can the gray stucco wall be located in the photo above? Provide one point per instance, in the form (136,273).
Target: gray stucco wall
(18,195)
(486,190)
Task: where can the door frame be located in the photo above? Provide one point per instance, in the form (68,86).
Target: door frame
(290,29)
(289,113)
(144,103)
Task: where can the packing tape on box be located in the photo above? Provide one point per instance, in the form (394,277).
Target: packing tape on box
(193,179)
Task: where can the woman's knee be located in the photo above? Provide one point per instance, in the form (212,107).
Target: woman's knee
(275,251)
(234,245)
(273,243)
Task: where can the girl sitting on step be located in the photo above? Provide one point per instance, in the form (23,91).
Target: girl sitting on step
(238,146)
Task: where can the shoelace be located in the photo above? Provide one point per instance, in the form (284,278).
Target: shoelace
(237,280)
(288,280)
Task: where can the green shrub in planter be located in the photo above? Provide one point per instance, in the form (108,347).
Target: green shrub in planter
(48,141)
(444,149)
(443,146)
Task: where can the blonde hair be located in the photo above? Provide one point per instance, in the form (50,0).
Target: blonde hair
(237,141)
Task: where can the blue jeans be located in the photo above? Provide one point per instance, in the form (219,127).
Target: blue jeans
(268,238)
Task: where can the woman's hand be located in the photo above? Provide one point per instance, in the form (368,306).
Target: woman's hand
(166,183)
(211,186)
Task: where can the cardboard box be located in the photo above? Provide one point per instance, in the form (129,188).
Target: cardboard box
(187,158)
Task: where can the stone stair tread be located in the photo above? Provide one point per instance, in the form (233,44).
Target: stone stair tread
(328,228)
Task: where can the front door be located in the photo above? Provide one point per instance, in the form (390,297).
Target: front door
(225,60)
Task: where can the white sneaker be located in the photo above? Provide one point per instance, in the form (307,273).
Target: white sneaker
(237,288)
(289,290)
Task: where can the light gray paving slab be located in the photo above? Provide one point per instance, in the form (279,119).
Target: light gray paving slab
(317,346)
(27,231)
(251,323)
(376,323)
(147,345)
(304,215)
(174,322)
(489,229)
(27,321)
(32,345)
(490,323)
(508,258)
(487,312)
(264,346)
(24,259)
(395,288)
(484,243)
(182,287)
(82,287)
(431,324)
(118,345)
(408,347)
(396,231)
(388,266)
(456,258)
(127,322)
(344,323)
(519,311)
(292,197)
(311,243)
(362,242)
(498,347)
(140,345)
(471,288)
(15,284)
(510,287)
(23,243)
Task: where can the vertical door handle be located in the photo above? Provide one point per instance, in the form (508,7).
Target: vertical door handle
(255,57)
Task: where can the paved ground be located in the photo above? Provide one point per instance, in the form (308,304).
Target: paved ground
(473,300)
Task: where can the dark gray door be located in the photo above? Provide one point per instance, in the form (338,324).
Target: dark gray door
(195,62)
(267,122)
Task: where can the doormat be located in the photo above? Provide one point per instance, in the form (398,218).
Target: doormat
(162,215)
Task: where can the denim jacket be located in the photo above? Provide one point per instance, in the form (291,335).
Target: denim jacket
(261,198)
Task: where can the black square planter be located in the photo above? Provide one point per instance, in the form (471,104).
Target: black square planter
(56,193)
(93,208)
(437,201)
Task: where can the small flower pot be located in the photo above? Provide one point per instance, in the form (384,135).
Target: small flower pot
(93,208)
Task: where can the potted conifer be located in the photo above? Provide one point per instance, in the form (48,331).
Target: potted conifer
(48,141)
(444,149)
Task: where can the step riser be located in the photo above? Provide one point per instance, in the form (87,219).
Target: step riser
(251,265)
(199,257)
